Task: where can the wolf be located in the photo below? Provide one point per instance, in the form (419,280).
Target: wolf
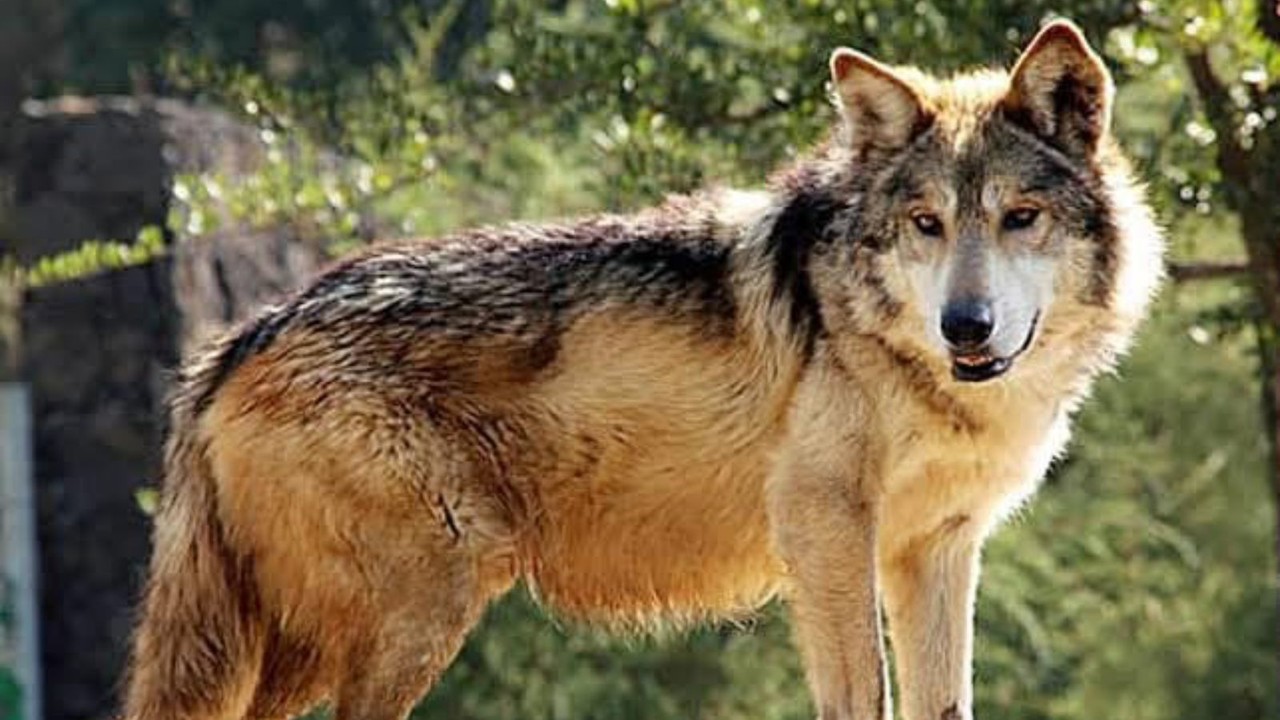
(832,389)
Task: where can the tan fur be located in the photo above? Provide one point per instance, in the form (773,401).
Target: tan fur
(346,495)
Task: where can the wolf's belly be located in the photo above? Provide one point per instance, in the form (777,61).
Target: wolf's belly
(648,538)
(654,502)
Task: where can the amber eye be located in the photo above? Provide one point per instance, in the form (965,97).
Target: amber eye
(1020,218)
(928,224)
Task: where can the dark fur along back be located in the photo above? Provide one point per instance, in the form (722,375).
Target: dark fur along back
(526,282)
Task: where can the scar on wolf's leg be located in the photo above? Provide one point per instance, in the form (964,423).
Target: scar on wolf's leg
(450,520)
(951,713)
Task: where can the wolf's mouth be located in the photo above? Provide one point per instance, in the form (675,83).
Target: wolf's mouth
(980,367)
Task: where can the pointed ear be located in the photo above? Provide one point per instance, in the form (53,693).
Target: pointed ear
(1061,90)
(880,109)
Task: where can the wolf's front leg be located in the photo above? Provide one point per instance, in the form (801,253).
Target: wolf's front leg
(929,584)
(823,512)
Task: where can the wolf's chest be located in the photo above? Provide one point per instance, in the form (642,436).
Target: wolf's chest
(984,469)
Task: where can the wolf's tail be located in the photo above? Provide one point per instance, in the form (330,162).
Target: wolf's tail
(198,649)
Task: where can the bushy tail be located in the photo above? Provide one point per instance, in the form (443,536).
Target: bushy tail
(198,649)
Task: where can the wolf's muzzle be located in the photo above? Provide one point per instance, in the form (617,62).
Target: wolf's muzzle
(976,365)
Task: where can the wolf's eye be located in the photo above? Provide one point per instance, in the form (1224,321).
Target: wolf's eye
(928,224)
(1020,218)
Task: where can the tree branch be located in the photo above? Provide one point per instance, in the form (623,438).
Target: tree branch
(1214,95)
(1207,270)
(1218,108)
(1269,19)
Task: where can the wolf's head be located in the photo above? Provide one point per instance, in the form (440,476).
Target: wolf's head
(992,214)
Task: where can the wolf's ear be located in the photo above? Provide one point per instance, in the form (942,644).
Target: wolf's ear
(1061,90)
(880,109)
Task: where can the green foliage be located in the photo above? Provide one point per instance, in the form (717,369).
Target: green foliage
(93,256)
(10,689)
(641,98)
(521,664)
(114,45)
(10,696)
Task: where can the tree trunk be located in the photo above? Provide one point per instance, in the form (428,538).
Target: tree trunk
(1270,349)
(1250,174)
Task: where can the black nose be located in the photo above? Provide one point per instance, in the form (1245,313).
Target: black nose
(968,322)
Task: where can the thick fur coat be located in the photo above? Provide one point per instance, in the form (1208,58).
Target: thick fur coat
(832,388)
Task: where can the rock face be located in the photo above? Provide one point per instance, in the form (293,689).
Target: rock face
(67,189)
(223,277)
(102,168)
(99,352)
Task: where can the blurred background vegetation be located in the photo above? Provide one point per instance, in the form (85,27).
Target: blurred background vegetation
(1141,583)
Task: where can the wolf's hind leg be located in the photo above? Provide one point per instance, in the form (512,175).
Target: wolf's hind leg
(428,577)
(417,637)
(378,543)
(426,591)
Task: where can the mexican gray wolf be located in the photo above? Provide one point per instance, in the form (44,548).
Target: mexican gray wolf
(832,389)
